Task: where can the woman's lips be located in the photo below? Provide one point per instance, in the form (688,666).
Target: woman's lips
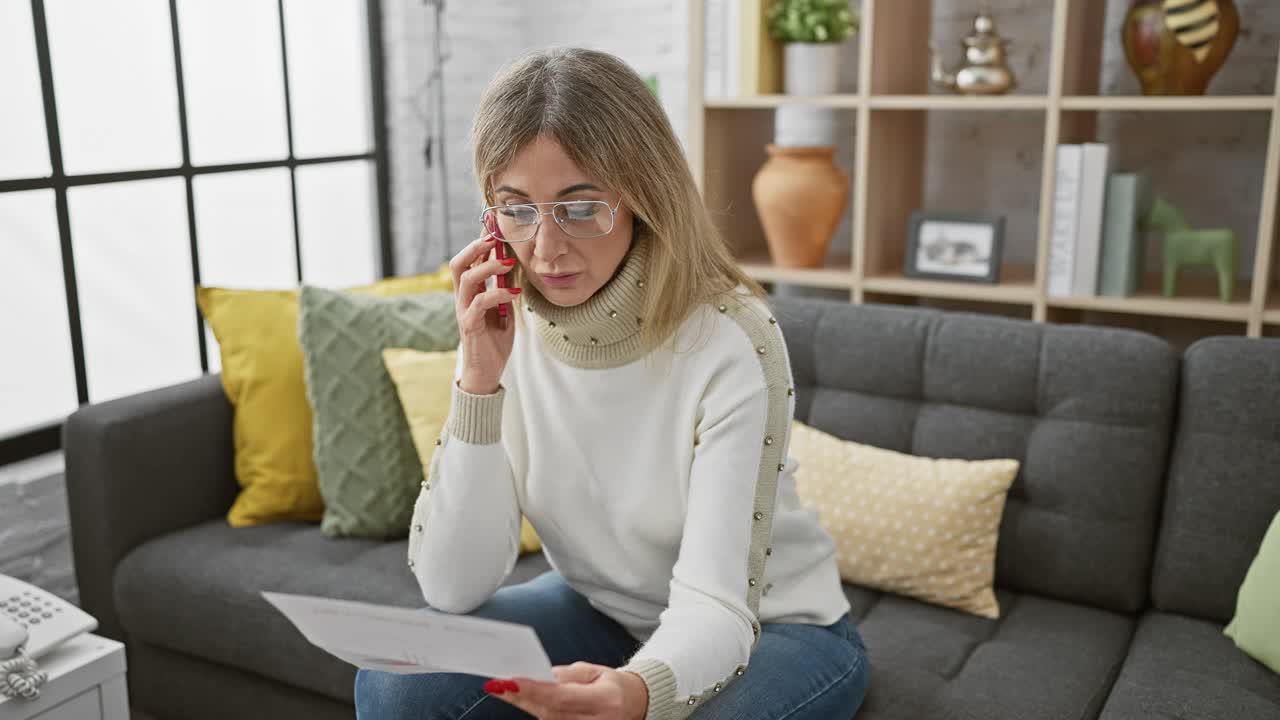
(561,280)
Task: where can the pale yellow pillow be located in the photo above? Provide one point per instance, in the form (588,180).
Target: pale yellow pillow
(424,383)
(921,527)
(257,332)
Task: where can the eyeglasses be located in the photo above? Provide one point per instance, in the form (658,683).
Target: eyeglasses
(578,218)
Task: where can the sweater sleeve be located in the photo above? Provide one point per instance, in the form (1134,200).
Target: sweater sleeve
(711,624)
(465,534)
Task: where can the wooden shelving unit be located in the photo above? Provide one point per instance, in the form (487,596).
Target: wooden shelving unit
(837,274)
(958,102)
(890,109)
(1220,103)
(1149,303)
(1016,288)
(776,101)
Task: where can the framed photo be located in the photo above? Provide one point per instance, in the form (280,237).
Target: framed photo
(954,245)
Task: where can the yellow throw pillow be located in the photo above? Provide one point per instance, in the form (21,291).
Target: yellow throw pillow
(424,383)
(921,527)
(257,331)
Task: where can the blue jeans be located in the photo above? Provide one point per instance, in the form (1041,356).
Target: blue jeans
(797,672)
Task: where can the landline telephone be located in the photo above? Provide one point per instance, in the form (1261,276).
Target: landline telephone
(32,622)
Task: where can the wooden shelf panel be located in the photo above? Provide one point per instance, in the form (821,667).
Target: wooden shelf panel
(958,102)
(1196,297)
(846,101)
(1151,303)
(838,273)
(1018,291)
(1202,103)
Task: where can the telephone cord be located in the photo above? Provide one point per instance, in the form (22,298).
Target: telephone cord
(21,677)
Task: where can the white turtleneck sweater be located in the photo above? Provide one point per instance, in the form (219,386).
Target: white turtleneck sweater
(659,484)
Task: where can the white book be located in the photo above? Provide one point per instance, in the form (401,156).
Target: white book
(1092,201)
(1066,193)
(714,58)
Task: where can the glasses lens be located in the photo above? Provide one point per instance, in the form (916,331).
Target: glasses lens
(517,222)
(585,218)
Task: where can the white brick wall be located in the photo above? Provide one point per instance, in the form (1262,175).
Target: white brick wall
(35,539)
(1006,176)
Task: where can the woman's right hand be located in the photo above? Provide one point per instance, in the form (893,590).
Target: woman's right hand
(486,336)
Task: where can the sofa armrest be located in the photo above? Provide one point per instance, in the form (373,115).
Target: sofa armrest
(140,467)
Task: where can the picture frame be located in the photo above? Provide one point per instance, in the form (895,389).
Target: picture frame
(962,245)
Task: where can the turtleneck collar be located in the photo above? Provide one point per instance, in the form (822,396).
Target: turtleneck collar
(603,331)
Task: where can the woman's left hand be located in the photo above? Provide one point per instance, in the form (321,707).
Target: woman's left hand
(582,691)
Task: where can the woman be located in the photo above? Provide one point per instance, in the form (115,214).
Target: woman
(635,405)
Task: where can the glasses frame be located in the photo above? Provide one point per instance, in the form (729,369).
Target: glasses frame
(613,217)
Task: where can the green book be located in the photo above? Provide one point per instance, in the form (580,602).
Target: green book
(1123,241)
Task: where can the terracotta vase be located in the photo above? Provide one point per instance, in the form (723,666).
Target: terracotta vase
(799,195)
(1176,46)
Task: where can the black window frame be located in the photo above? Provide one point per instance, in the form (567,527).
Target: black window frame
(48,438)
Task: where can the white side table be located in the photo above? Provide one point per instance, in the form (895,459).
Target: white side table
(86,682)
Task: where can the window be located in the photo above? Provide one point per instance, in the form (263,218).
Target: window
(152,145)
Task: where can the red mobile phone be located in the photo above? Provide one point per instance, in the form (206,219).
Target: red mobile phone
(501,251)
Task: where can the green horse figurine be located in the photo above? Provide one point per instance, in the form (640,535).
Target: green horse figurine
(1183,246)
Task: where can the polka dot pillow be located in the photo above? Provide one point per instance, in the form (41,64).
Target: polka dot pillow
(921,527)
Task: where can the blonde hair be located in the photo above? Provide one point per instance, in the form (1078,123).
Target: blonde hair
(606,119)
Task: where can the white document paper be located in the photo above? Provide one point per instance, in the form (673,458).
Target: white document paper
(408,641)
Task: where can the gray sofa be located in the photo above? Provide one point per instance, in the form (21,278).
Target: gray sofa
(1147,483)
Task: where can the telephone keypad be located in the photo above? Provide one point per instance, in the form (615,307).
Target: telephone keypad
(28,609)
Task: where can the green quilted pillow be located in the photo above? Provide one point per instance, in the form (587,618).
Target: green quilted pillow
(367,465)
(1256,625)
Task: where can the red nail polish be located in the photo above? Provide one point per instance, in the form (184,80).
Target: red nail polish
(494,687)
(516,291)
(512,686)
(509,261)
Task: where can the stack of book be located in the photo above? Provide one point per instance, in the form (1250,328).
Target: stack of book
(740,58)
(1097,245)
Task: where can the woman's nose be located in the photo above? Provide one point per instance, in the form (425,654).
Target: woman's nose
(549,241)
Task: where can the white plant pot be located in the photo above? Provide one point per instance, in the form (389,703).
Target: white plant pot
(804,126)
(811,68)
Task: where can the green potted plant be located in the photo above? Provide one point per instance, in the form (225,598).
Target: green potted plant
(811,32)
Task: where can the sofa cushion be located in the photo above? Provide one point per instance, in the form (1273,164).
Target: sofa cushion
(1255,628)
(1042,659)
(920,527)
(365,458)
(168,684)
(257,332)
(1182,667)
(1087,411)
(197,592)
(1224,488)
